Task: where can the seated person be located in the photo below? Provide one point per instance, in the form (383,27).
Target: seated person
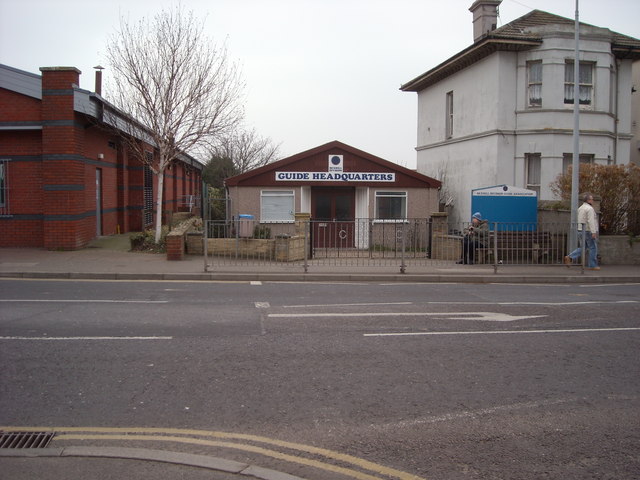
(476,232)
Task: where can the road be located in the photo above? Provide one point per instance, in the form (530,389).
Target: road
(334,381)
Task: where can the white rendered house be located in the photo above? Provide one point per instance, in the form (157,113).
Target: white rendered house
(501,111)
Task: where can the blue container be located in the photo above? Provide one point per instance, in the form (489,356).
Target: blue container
(245,225)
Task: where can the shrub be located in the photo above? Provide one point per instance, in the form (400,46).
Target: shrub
(618,186)
(261,232)
(145,241)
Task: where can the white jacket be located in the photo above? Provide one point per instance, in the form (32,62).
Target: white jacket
(587,215)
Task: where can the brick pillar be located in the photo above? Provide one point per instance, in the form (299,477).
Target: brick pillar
(175,246)
(440,222)
(63,171)
(301,221)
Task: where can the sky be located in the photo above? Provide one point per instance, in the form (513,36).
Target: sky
(315,70)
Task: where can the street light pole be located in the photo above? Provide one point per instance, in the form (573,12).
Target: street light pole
(575,163)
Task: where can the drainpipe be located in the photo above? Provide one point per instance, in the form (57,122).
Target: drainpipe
(615,113)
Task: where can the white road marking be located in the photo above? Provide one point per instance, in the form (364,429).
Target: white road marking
(476,413)
(480,316)
(347,305)
(503,332)
(255,282)
(544,304)
(85,338)
(31,300)
(262,305)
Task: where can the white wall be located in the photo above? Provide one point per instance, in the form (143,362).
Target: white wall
(635,114)
(494,127)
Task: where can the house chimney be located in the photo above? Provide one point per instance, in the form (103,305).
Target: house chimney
(98,69)
(485,17)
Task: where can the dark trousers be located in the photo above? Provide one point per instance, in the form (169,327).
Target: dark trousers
(469,245)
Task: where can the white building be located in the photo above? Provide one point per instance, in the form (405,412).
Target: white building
(635,114)
(501,111)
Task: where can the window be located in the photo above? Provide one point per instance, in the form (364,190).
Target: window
(449,117)
(4,189)
(532,161)
(534,83)
(276,206)
(567,161)
(391,205)
(585,83)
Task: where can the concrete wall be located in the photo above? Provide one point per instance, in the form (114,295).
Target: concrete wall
(618,250)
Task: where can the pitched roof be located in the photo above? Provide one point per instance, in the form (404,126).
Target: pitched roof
(85,102)
(520,34)
(334,145)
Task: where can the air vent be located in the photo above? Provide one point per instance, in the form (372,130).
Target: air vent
(25,439)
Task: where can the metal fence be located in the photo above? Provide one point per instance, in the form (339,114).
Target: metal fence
(404,244)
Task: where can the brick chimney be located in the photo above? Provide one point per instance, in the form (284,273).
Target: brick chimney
(485,17)
(66,225)
(98,69)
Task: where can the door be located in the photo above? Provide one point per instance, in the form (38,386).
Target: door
(98,202)
(333,216)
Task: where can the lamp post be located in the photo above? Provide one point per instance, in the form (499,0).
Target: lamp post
(575,163)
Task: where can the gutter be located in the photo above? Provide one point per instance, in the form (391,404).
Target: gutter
(469,56)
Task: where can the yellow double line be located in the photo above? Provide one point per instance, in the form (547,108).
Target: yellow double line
(232,441)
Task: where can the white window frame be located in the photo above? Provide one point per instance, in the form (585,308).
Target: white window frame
(583,85)
(402,194)
(449,115)
(533,171)
(534,82)
(277,206)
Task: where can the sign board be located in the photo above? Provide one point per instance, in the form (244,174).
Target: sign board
(506,204)
(335,177)
(335,163)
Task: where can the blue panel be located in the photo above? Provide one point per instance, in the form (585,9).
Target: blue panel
(522,211)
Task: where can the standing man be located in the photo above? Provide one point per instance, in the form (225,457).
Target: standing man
(586,218)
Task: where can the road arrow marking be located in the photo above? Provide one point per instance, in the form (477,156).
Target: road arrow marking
(479,316)
(485,316)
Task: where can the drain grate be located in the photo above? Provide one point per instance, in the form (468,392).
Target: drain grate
(25,439)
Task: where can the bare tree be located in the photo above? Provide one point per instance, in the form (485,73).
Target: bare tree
(178,86)
(246,149)
(446,197)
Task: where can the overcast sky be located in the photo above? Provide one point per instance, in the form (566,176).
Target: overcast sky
(316,70)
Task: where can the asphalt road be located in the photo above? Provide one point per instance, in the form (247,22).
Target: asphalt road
(436,381)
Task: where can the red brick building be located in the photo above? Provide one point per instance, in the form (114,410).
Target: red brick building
(64,177)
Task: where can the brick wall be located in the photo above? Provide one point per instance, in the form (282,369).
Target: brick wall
(52,164)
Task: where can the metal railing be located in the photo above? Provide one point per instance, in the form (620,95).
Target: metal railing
(188,202)
(404,244)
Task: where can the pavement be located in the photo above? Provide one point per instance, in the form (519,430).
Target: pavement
(109,258)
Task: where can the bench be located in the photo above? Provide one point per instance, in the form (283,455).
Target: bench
(514,247)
